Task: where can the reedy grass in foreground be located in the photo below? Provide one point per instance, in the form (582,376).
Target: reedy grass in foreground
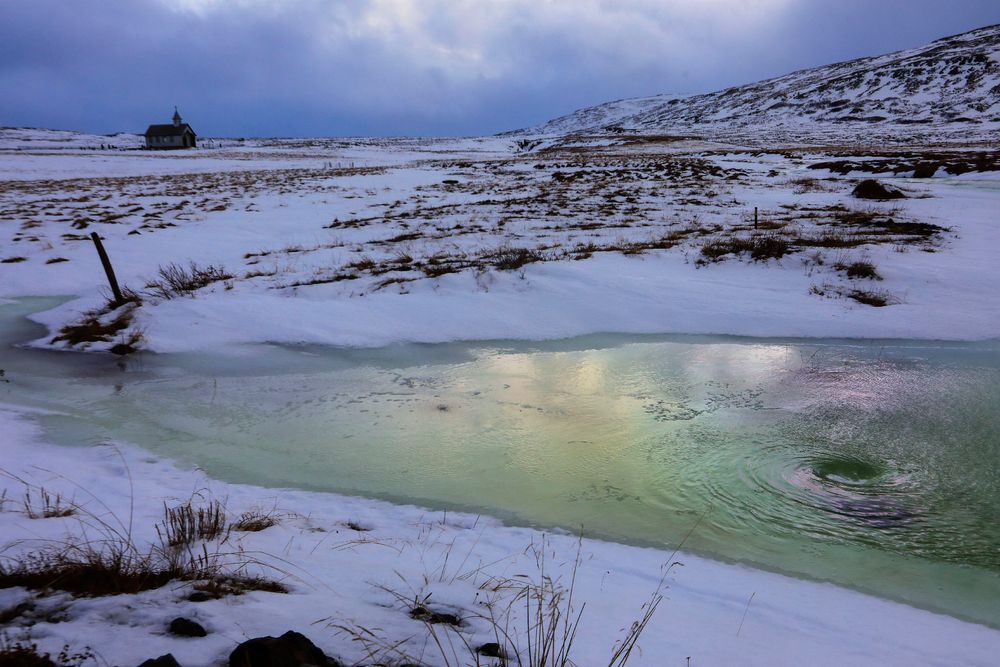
(534,621)
(102,557)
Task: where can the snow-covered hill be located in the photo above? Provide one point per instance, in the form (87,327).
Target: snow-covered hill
(949,89)
(30,138)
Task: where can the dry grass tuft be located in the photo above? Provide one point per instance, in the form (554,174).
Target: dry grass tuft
(174,280)
(87,571)
(366,263)
(510,258)
(859,270)
(254,521)
(104,559)
(534,622)
(46,505)
(761,247)
(184,525)
(876,298)
(96,326)
(105,323)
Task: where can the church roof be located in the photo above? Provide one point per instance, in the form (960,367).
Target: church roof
(169,130)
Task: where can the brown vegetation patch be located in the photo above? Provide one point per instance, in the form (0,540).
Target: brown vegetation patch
(393,280)
(760,247)
(97,326)
(224,586)
(324,280)
(876,298)
(254,521)
(96,577)
(92,571)
(510,258)
(427,615)
(859,270)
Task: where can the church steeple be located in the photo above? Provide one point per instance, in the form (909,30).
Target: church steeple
(177,118)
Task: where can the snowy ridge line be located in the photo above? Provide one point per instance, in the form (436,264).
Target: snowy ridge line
(948,90)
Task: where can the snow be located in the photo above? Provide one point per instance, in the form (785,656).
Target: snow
(29,138)
(864,101)
(621,295)
(603,115)
(284,227)
(713,612)
(281,214)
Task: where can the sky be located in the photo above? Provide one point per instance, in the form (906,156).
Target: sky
(417,67)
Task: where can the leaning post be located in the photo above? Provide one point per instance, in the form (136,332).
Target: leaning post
(108,270)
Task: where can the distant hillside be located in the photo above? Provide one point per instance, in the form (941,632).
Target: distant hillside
(29,138)
(948,89)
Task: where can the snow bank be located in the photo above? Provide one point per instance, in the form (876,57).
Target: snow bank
(714,613)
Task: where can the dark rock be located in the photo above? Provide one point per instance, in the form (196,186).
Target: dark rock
(289,650)
(185,627)
(925,170)
(491,650)
(872,189)
(163,661)
(201,596)
(422,613)
(23,609)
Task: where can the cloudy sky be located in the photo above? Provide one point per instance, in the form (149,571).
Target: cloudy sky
(406,67)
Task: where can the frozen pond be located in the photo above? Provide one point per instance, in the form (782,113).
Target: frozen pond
(871,465)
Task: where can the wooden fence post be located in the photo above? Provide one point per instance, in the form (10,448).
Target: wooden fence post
(108,270)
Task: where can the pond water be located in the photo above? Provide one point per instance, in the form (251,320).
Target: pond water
(870,465)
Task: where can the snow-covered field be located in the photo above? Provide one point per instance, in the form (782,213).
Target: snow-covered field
(370,242)
(436,241)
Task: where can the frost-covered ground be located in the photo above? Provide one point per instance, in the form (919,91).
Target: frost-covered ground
(371,242)
(353,565)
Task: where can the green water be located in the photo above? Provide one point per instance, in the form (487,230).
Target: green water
(873,466)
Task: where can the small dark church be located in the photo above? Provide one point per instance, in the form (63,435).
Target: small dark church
(175,135)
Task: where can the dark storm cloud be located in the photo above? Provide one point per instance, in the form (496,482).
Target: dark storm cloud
(320,67)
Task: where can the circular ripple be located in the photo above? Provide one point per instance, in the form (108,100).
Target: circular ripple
(854,489)
(825,494)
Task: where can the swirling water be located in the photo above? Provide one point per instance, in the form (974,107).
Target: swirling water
(873,466)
